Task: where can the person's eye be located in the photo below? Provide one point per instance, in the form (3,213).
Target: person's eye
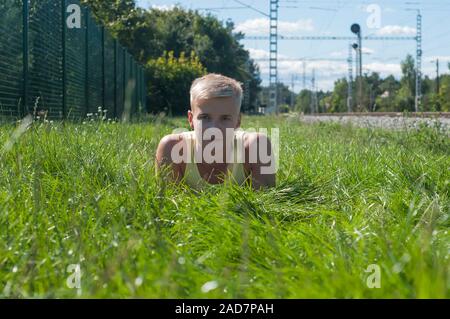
(226,118)
(203,117)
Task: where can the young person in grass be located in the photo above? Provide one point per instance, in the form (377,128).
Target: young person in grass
(217,150)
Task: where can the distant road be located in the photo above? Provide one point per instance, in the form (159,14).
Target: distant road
(382,120)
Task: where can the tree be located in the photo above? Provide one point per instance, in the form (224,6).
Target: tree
(150,33)
(388,89)
(339,96)
(303,102)
(405,99)
(444,94)
(284,95)
(170,79)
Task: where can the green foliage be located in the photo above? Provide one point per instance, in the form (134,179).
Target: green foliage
(339,96)
(388,89)
(346,198)
(169,81)
(409,74)
(284,95)
(303,101)
(283,108)
(150,33)
(441,101)
(386,95)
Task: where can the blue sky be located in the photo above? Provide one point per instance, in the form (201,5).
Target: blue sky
(328,17)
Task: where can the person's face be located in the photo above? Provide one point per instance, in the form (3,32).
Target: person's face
(221,113)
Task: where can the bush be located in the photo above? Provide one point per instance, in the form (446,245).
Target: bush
(169,81)
(284,108)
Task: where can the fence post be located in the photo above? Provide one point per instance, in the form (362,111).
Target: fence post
(141,89)
(64,60)
(25,11)
(86,84)
(124,80)
(136,86)
(133,91)
(115,78)
(144,88)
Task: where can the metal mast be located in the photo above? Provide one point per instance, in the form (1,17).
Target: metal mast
(313,93)
(293,79)
(304,75)
(273,107)
(350,79)
(418,62)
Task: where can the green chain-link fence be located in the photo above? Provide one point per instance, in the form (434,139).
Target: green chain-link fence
(54,58)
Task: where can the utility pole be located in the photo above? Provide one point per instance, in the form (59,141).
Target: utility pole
(274,37)
(314,106)
(273,49)
(371,99)
(273,78)
(418,61)
(355,46)
(438,84)
(350,79)
(304,75)
(358,44)
(356,29)
(294,78)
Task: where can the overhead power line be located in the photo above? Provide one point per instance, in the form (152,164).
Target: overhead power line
(252,8)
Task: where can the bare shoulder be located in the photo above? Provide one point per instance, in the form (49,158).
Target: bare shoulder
(167,145)
(170,140)
(259,160)
(258,149)
(255,138)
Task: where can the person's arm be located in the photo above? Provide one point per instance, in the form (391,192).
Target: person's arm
(164,158)
(260,160)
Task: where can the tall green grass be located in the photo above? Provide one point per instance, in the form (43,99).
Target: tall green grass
(346,198)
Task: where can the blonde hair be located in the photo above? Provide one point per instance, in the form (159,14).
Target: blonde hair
(216,85)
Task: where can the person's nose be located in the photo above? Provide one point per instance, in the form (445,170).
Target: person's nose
(215,130)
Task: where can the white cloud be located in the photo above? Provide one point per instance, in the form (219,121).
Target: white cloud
(366,50)
(261,26)
(396,30)
(344,53)
(162,7)
(339,54)
(384,69)
(290,67)
(148,5)
(442,58)
(325,85)
(258,54)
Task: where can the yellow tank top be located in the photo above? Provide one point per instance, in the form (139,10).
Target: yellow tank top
(236,171)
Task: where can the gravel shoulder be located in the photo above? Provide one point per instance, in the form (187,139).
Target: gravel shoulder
(386,122)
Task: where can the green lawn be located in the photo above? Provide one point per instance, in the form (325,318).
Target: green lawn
(346,198)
